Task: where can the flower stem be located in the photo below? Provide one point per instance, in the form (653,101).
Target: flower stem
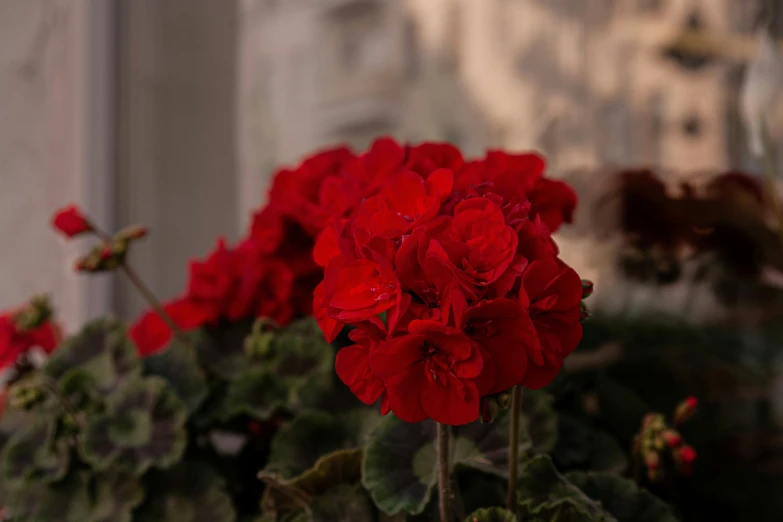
(444,477)
(513,447)
(144,290)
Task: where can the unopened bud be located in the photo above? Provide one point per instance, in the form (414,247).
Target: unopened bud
(24,396)
(671,437)
(34,315)
(685,410)
(587,288)
(132,233)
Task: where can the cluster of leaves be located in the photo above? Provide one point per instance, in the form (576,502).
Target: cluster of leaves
(99,435)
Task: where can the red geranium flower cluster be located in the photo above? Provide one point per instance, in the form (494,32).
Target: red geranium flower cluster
(458,258)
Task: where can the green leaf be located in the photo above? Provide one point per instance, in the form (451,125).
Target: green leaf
(66,501)
(491,515)
(179,365)
(258,393)
(539,420)
(622,498)
(295,371)
(115,497)
(399,468)
(35,454)
(544,494)
(188,492)
(341,504)
(143,426)
(101,356)
(580,446)
(341,467)
(294,449)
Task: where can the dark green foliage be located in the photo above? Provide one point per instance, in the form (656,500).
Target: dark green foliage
(35,454)
(581,446)
(188,492)
(492,515)
(400,463)
(342,504)
(294,370)
(544,494)
(179,365)
(622,498)
(95,361)
(295,450)
(143,426)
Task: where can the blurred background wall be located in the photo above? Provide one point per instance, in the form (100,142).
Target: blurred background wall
(174,113)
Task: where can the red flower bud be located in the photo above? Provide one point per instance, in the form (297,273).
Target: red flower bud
(685,410)
(686,454)
(106,253)
(71,222)
(587,288)
(584,313)
(671,437)
(132,233)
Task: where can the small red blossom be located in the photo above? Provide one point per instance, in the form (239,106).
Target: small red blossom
(554,201)
(430,373)
(71,222)
(17,338)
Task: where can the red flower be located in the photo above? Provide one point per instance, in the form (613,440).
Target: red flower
(430,373)
(406,203)
(212,281)
(353,364)
(554,202)
(428,157)
(481,245)
(71,222)
(363,289)
(513,175)
(15,341)
(329,326)
(316,189)
(552,292)
(504,330)
(150,333)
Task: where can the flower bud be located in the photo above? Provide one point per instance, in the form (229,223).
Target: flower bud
(132,233)
(493,404)
(685,410)
(71,222)
(671,437)
(34,315)
(587,288)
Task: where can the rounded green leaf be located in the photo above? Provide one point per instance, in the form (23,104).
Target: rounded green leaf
(543,493)
(491,515)
(399,468)
(294,449)
(143,426)
(622,498)
(341,467)
(35,454)
(101,354)
(258,393)
(67,500)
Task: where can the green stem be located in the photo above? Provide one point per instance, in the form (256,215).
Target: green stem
(513,447)
(444,477)
(144,290)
